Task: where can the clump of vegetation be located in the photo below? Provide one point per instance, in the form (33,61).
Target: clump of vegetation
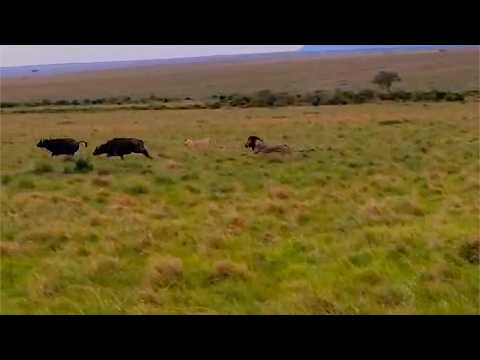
(263,98)
(26,184)
(138,189)
(4,105)
(163,271)
(81,166)
(470,251)
(164,180)
(6,179)
(62,102)
(42,168)
(225,269)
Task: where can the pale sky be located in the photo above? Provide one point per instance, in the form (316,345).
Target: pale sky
(17,55)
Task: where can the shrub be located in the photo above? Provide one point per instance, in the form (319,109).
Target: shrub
(45,102)
(401,95)
(439,95)
(112,100)
(6,179)
(62,102)
(454,97)
(339,98)
(239,100)
(470,251)
(284,99)
(366,94)
(75,102)
(98,101)
(263,98)
(386,96)
(87,101)
(7,104)
(81,166)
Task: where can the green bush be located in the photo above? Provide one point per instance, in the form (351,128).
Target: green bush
(386,96)
(81,166)
(339,98)
(239,100)
(62,102)
(263,98)
(6,179)
(98,101)
(7,104)
(401,95)
(164,180)
(454,97)
(284,99)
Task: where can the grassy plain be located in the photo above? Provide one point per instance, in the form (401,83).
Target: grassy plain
(381,219)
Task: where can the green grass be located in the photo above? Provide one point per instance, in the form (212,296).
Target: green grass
(378,220)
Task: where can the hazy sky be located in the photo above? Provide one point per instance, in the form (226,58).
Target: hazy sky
(16,55)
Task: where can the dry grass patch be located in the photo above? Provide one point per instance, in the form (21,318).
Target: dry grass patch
(227,269)
(102,181)
(124,201)
(162,271)
(280,192)
(103,264)
(13,248)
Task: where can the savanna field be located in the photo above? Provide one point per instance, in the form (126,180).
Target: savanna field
(382,218)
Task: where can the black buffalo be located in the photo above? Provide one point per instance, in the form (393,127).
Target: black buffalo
(65,146)
(122,146)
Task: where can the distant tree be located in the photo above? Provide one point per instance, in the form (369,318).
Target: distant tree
(385,79)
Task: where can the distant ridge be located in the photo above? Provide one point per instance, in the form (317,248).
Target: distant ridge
(67,68)
(374,48)
(35,71)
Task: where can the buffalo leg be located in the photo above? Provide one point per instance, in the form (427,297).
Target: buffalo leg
(145,152)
